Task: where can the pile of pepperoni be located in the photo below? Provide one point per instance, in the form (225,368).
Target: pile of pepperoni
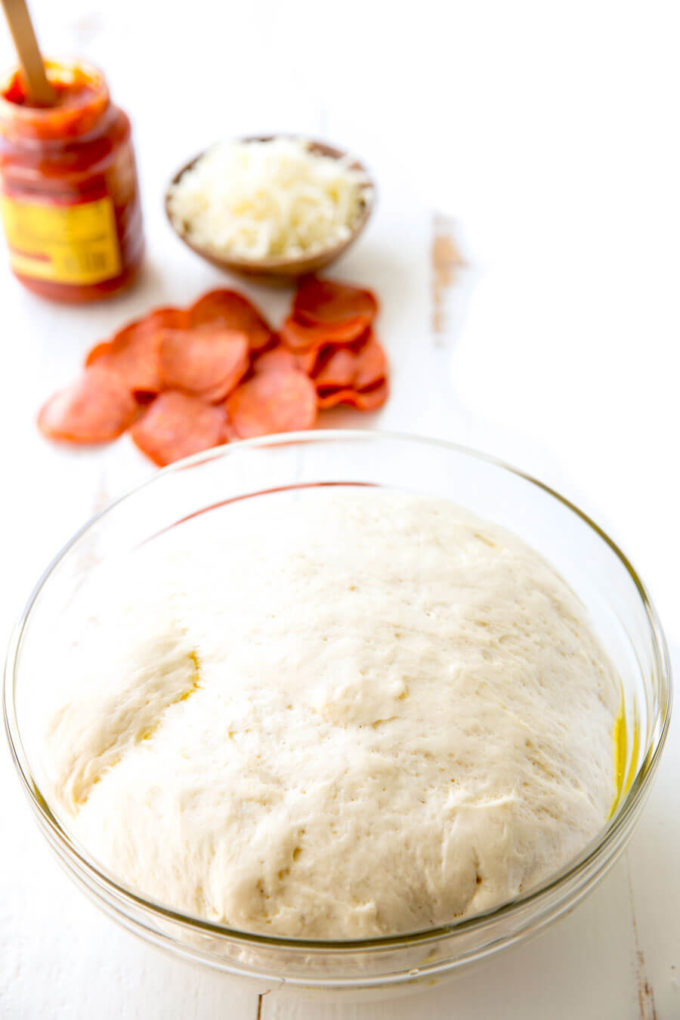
(185,380)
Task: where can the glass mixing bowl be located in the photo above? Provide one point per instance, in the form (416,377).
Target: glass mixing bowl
(597,571)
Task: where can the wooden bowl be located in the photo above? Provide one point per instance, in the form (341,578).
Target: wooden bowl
(280,269)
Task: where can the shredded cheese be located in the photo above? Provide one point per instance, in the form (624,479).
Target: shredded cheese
(262,199)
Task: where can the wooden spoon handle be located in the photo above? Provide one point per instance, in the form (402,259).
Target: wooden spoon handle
(39,92)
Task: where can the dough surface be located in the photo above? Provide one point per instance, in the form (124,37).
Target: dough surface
(335,714)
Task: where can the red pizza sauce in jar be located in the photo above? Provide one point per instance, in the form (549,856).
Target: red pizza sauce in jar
(69,198)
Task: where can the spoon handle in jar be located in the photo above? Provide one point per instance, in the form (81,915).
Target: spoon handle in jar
(39,92)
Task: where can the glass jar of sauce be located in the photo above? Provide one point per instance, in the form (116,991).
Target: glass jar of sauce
(69,198)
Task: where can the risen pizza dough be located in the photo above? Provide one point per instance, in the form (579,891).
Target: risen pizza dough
(335,715)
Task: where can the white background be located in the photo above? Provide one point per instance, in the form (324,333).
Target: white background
(548,134)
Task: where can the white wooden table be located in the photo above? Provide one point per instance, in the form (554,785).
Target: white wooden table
(541,141)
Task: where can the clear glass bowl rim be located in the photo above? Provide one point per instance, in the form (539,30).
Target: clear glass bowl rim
(594,851)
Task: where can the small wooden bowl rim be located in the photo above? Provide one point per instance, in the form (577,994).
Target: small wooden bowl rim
(280,263)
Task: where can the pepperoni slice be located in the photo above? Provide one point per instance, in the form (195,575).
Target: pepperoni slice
(132,356)
(228,308)
(357,367)
(232,435)
(303,336)
(339,370)
(273,402)
(176,425)
(166,318)
(208,361)
(364,400)
(96,408)
(373,398)
(371,364)
(278,359)
(331,396)
(328,302)
(308,360)
(134,353)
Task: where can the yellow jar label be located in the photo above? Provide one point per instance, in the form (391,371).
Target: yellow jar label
(64,243)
